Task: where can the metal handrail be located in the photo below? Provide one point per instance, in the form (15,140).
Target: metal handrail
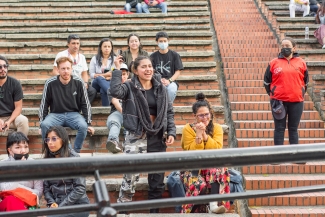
(156,162)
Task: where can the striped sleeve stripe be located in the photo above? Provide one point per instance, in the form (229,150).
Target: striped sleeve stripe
(86,98)
(40,114)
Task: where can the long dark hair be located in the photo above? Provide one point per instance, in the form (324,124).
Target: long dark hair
(63,135)
(16,138)
(136,35)
(322,8)
(99,54)
(201,101)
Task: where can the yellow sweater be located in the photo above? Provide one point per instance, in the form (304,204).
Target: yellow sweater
(188,139)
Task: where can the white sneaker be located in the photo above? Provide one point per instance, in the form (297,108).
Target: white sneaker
(217,209)
(323,46)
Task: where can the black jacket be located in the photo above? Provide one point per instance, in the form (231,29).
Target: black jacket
(131,120)
(66,192)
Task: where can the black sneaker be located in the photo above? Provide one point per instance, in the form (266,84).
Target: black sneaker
(112,146)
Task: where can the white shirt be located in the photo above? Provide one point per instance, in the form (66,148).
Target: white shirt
(94,67)
(81,65)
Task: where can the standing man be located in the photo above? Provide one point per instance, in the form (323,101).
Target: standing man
(11,101)
(66,96)
(168,64)
(80,68)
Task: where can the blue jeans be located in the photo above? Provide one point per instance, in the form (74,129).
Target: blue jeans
(162,6)
(128,7)
(175,187)
(74,120)
(114,124)
(172,91)
(102,85)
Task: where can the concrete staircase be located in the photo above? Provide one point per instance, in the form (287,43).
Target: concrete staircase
(247,44)
(34,31)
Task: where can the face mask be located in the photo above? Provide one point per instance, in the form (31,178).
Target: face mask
(286,52)
(163,46)
(20,156)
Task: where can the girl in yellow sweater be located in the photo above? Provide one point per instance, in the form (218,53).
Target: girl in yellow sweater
(201,135)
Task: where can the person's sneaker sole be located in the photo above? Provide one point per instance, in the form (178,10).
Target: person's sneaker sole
(112,147)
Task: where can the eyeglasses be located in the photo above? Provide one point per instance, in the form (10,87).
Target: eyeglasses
(5,66)
(201,116)
(54,138)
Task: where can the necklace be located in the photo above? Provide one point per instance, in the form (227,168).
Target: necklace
(74,60)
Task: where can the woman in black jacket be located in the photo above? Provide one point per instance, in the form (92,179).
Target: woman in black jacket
(147,115)
(63,192)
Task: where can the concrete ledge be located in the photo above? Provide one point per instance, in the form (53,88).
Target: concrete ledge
(298,27)
(102,131)
(184,93)
(319,77)
(315,63)
(296,19)
(315,51)
(107,110)
(89,56)
(180,78)
(101,23)
(107,16)
(84,36)
(85,43)
(50,67)
(104,29)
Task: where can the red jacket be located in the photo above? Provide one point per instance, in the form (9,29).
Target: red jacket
(286,80)
(159,1)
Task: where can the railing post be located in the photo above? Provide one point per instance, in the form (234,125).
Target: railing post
(102,198)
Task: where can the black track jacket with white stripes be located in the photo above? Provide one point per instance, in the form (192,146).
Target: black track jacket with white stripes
(62,98)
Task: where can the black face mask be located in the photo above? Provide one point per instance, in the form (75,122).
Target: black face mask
(286,51)
(20,156)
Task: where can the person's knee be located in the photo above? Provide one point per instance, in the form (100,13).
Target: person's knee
(111,123)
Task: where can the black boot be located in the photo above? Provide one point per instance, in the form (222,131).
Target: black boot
(154,210)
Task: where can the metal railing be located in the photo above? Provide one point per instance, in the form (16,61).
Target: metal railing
(155,162)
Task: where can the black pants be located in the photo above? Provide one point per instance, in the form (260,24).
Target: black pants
(293,112)
(156,143)
(91,93)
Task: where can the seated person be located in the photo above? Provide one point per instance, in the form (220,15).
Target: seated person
(314,5)
(168,64)
(299,5)
(62,192)
(203,134)
(320,19)
(79,67)
(100,68)
(115,118)
(11,103)
(17,149)
(161,4)
(133,4)
(65,96)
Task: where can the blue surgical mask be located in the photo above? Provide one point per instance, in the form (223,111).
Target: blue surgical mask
(162,45)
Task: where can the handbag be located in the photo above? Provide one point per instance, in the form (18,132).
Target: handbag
(133,3)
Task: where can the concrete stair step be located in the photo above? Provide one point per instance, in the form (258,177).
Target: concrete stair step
(304,124)
(123,28)
(273,181)
(306,199)
(295,211)
(96,35)
(89,47)
(269,133)
(118,24)
(184,97)
(267,115)
(49,58)
(316,167)
(261,142)
(295,27)
(192,15)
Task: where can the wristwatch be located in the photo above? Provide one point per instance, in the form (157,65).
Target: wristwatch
(171,80)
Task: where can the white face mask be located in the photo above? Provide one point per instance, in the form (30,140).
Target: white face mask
(163,46)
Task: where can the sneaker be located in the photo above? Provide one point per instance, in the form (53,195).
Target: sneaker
(323,46)
(112,146)
(221,209)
